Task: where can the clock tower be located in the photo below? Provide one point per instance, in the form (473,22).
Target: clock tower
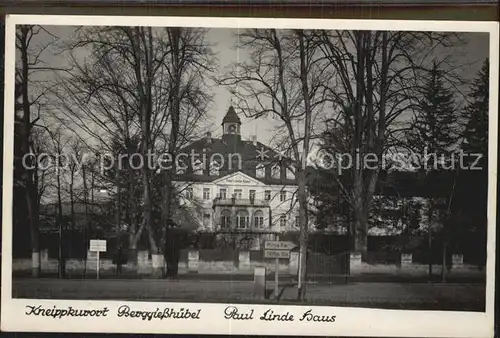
(231,124)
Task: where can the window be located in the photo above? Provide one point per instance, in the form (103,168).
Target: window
(214,168)
(260,171)
(297,222)
(267,195)
(198,167)
(189,193)
(206,220)
(242,219)
(180,168)
(258,219)
(282,196)
(290,174)
(225,219)
(238,194)
(223,194)
(251,194)
(276,171)
(206,193)
(282,221)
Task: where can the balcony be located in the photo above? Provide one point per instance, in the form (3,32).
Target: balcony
(248,231)
(240,202)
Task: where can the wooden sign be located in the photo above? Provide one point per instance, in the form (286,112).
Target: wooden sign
(276,253)
(97,245)
(277,245)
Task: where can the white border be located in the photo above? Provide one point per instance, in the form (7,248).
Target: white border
(350,321)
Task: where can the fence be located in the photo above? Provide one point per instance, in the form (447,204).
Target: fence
(326,267)
(321,267)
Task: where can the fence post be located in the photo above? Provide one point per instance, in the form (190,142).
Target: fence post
(44,259)
(193,260)
(244,260)
(354,261)
(142,262)
(457,261)
(406,260)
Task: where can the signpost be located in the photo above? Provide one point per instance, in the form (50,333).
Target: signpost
(277,250)
(277,245)
(97,245)
(276,254)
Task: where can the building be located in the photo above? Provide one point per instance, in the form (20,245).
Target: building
(248,190)
(238,186)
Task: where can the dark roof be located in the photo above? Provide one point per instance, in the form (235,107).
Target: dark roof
(235,148)
(231,116)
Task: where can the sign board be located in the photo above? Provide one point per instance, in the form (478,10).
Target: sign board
(277,245)
(98,245)
(276,254)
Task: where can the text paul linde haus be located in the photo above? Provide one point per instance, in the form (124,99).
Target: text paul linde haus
(230,313)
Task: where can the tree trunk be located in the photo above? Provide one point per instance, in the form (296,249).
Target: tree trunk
(303,235)
(73,216)
(31,192)
(35,249)
(304,51)
(168,244)
(133,232)
(430,212)
(170,251)
(62,260)
(443,264)
(360,217)
(360,238)
(143,61)
(86,221)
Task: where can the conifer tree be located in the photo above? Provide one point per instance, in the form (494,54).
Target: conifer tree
(432,137)
(476,115)
(434,127)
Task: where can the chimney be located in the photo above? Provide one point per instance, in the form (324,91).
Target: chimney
(209,137)
(254,140)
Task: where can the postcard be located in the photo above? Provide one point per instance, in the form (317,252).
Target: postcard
(206,175)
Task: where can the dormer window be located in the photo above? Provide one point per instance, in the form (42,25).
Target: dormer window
(198,167)
(260,171)
(214,168)
(290,173)
(180,168)
(276,171)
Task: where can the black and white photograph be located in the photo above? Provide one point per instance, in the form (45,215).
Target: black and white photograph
(225,176)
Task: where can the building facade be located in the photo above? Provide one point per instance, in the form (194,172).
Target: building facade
(237,186)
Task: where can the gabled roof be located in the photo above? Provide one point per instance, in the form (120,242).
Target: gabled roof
(231,116)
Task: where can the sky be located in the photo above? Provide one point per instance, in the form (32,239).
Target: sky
(224,41)
(476,48)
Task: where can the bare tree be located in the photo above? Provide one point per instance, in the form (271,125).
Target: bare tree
(144,91)
(30,93)
(282,78)
(375,86)
(191,63)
